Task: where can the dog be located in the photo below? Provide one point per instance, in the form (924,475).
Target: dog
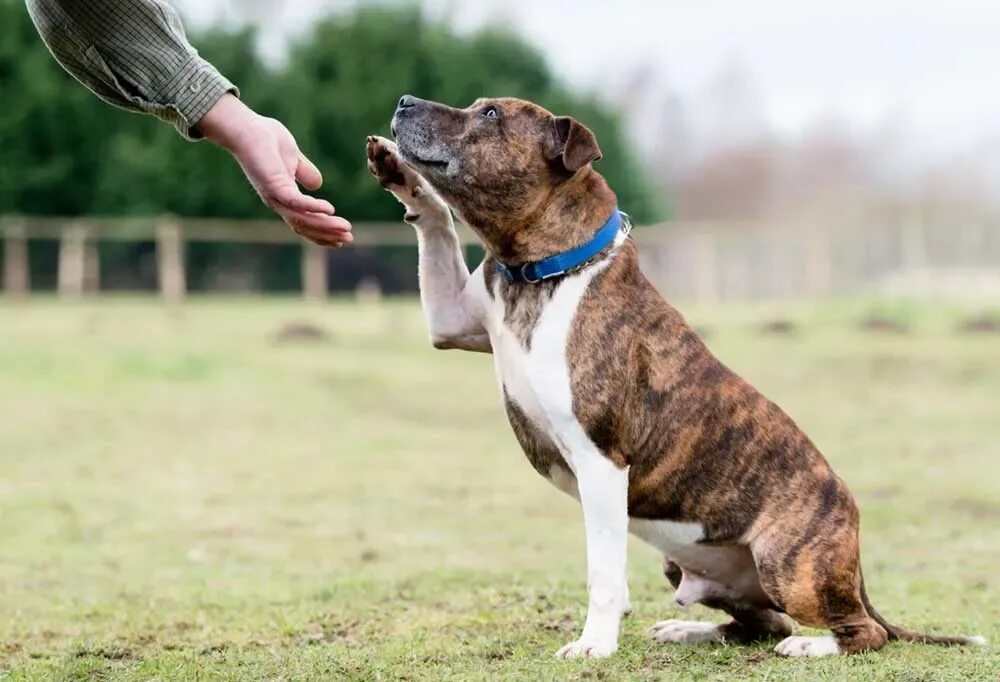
(614,398)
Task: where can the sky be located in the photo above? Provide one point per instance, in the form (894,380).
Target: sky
(927,67)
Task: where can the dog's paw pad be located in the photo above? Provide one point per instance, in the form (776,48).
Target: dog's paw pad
(582,649)
(384,162)
(685,631)
(796,646)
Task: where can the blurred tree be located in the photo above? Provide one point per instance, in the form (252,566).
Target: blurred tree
(355,66)
(63,152)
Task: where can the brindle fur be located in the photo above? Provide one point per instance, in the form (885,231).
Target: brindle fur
(702,445)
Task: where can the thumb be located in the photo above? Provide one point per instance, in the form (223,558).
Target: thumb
(307,173)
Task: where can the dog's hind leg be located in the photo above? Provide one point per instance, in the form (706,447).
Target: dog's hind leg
(748,625)
(751,622)
(809,564)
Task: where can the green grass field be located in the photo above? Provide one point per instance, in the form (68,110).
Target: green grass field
(184,497)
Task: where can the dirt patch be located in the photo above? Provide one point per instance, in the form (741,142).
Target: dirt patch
(299,332)
(881,324)
(757,658)
(112,652)
(778,327)
(327,630)
(565,623)
(988,323)
(499,653)
(9,649)
(886,493)
(978,509)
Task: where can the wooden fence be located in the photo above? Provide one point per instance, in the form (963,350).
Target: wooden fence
(79,265)
(846,253)
(925,252)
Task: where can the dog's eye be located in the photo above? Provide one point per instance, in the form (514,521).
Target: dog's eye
(491,112)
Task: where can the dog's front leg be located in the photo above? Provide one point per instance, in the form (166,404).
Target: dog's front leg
(603,489)
(443,273)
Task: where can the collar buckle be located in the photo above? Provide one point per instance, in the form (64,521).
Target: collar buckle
(523,271)
(626,223)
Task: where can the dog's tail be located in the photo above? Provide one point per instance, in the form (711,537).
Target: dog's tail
(896,632)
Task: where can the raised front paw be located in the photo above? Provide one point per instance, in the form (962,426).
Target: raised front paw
(384,163)
(405,184)
(582,648)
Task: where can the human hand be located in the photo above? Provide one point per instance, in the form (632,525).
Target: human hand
(272,162)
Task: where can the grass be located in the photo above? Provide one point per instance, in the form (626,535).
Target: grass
(182,497)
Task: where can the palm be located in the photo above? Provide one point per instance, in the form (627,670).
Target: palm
(271,160)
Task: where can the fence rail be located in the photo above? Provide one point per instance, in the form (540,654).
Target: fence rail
(702,261)
(79,265)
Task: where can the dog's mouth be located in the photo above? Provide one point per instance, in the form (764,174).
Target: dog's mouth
(417,159)
(431,162)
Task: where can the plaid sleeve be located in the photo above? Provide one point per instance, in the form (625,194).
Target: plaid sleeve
(133,54)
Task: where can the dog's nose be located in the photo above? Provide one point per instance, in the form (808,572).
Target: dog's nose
(407,102)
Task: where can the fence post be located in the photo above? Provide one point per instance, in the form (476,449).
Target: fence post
(91,267)
(170,261)
(314,271)
(819,259)
(914,247)
(16,274)
(71,261)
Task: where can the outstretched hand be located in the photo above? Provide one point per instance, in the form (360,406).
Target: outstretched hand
(271,160)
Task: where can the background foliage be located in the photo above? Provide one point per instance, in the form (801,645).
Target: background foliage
(65,153)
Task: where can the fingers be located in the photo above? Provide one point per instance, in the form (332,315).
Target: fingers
(308,174)
(289,197)
(309,216)
(321,228)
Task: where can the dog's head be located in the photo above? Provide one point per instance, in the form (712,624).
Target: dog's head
(495,161)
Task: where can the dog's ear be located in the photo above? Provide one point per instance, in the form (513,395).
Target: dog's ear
(574,145)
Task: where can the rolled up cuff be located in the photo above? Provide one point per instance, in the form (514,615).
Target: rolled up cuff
(192,92)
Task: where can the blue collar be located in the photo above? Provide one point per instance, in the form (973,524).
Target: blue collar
(562,263)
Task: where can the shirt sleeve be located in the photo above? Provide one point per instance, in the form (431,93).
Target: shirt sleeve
(133,54)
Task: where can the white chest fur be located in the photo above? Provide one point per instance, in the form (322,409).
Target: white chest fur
(537,378)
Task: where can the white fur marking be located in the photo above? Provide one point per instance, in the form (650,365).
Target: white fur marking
(685,632)
(796,646)
(538,380)
(667,536)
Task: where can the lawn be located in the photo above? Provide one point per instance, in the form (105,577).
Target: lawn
(185,495)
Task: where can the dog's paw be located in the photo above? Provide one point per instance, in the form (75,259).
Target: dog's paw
(685,632)
(423,205)
(386,166)
(582,648)
(807,646)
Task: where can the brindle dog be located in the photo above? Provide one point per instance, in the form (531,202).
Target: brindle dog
(615,399)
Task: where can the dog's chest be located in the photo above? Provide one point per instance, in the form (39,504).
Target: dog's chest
(530,337)
(530,331)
